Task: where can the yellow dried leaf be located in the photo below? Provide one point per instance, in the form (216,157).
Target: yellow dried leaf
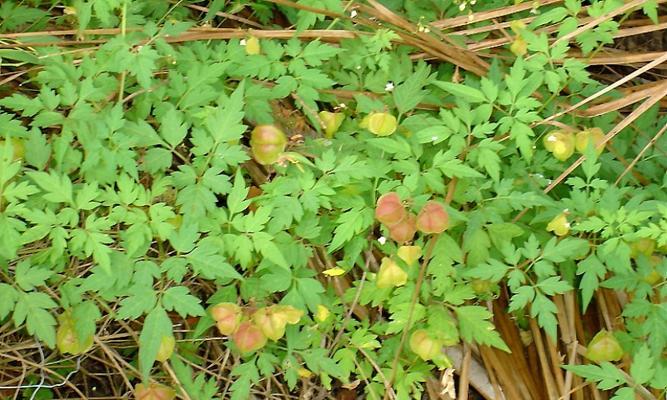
(322,313)
(336,271)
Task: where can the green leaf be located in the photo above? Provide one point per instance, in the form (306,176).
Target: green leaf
(410,93)
(27,276)
(236,201)
(554,285)
(140,301)
(85,316)
(8,297)
(246,374)
(263,242)
(642,369)
(522,296)
(474,325)
(565,249)
(492,270)
(209,264)
(225,122)
(624,393)
(315,52)
(179,299)
(172,127)
(455,168)
(461,91)
(156,326)
(349,223)
(58,188)
(606,374)
(593,271)
(33,309)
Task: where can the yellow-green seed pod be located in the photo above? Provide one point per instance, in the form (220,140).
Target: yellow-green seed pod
(380,124)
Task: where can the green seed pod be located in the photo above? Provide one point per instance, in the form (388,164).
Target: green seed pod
(604,347)
(332,121)
(390,275)
(424,346)
(267,144)
(586,136)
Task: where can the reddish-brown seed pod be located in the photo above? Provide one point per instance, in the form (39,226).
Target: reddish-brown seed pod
(432,218)
(154,391)
(389,209)
(405,230)
(248,337)
(227,317)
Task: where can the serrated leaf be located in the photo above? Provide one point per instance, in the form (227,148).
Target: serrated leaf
(179,299)
(263,242)
(85,316)
(593,271)
(156,326)
(58,188)
(554,285)
(474,325)
(606,374)
(642,369)
(8,297)
(28,276)
(32,308)
(461,91)
(172,127)
(315,52)
(236,200)
(140,301)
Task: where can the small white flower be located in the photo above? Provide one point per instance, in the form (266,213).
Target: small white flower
(342,105)
(567,224)
(473,2)
(389,86)
(566,210)
(382,240)
(471,17)
(426,30)
(462,6)
(353,13)
(242,42)
(358,66)
(534,147)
